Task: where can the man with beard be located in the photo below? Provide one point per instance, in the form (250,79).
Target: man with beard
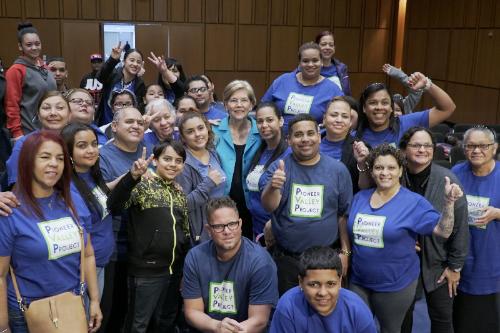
(197,87)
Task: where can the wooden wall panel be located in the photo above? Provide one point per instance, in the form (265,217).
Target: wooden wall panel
(355,12)
(347,47)
(437,53)
(245,11)
(278,10)
(309,33)
(256,79)
(228,11)
(178,10)
(151,37)
(293,12)
(284,46)
(252,44)
(70,9)
(107,9)
(416,42)
(375,49)
(359,81)
(50,34)
(386,13)
(471,13)
(9,50)
(309,13)
(189,51)
(195,10)
(417,12)
(159,10)
(219,47)
(89,9)
(125,10)
(76,54)
(486,13)
(324,10)
(487,70)
(32,8)
(142,10)
(211,11)
(262,11)
(340,13)
(461,58)
(474,104)
(371,14)
(441,13)
(12,8)
(51,9)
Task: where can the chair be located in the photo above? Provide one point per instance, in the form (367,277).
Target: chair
(439,137)
(439,154)
(457,154)
(462,127)
(441,128)
(458,135)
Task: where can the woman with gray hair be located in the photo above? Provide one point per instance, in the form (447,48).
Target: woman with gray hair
(161,117)
(237,141)
(477,305)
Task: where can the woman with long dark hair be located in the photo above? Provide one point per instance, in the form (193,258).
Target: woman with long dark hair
(41,238)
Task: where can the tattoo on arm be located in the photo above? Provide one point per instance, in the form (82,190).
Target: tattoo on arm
(446,222)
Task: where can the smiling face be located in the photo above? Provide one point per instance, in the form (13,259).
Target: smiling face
(85,150)
(239,104)
(378,110)
(129,127)
(310,64)
(195,133)
(477,156)
(226,240)
(304,140)
(82,108)
(133,63)
(337,119)
(419,150)
(199,91)
(386,172)
(169,164)
(53,113)
(161,122)
(153,92)
(268,123)
(48,168)
(327,46)
(31,46)
(321,289)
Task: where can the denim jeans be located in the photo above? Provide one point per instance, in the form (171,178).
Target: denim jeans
(17,323)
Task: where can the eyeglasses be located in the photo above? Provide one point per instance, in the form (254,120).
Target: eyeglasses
(122,105)
(81,101)
(237,101)
(482,146)
(197,90)
(417,146)
(233,225)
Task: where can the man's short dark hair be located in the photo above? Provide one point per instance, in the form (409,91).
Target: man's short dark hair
(194,78)
(299,118)
(222,202)
(319,257)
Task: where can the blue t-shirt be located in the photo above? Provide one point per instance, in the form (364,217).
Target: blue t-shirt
(228,288)
(330,72)
(101,137)
(313,197)
(331,148)
(259,215)
(213,162)
(293,98)
(151,139)
(102,236)
(45,253)
(216,111)
(406,121)
(481,272)
(294,314)
(13,161)
(115,162)
(383,239)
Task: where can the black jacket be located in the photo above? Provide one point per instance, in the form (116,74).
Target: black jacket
(158,228)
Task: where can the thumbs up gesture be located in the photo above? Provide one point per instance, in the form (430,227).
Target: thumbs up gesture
(279,176)
(451,191)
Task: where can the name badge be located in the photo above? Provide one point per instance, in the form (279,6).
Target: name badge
(298,104)
(253,178)
(62,237)
(306,200)
(221,297)
(368,230)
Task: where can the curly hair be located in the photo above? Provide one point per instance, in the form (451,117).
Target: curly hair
(386,149)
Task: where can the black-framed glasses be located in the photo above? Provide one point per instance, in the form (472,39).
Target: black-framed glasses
(197,90)
(481,146)
(81,101)
(232,226)
(417,146)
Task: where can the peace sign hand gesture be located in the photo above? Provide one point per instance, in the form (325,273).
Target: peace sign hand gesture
(161,65)
(141,165)
(116,51)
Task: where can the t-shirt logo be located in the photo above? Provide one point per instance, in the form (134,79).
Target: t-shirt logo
(307,200)
(62,237)
(253,178)
(475,204)
(221,297)
(368,230)
(102,199)
(298,103)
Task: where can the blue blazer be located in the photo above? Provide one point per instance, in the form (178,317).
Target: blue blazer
(225,148)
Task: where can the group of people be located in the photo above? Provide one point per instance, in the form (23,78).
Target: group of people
(306,211)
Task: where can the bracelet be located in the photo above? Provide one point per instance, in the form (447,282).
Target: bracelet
(347,253)
(4,330)
(359,169)
(428,84)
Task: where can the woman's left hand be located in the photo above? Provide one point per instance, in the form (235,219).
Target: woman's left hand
(345,263)
(360,151)
(452,192)
(417,81)
(453,278)
(95,315)
(489,214)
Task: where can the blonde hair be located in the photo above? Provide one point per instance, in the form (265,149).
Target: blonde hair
(236,85)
